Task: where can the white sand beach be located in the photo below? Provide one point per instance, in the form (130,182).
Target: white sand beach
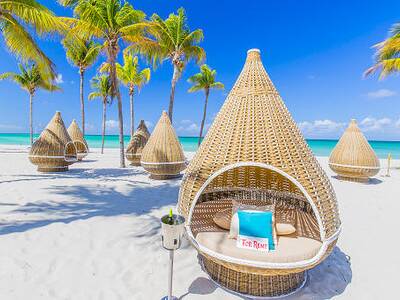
(94,233)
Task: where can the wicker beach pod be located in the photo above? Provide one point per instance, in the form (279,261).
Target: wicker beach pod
(353,158)
(163,155)
(137,143)
(54,150)
(78,139)
(254,152)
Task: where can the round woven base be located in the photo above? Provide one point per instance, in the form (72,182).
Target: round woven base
(52,169)
(163,177)
(255,285)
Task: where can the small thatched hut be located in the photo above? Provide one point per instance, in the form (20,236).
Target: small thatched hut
(353,158)
(78,139)
(137,143)
(54,150)
(163,155)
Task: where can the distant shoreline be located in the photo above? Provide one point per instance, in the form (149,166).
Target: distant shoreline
(194,137)
(320,147)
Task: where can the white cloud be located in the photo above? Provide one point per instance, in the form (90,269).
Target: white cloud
(59,79)
(398,123)
(191,128)
(111,124)
(373,124)
(149,124)
(381,93)
(186,122)
(321,127)
(374,128)
(10,127)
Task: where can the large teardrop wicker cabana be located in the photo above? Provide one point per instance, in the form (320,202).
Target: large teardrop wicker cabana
(255,153)
(54,150)
(78,139)
(137,143)
(353,158)
(163,155)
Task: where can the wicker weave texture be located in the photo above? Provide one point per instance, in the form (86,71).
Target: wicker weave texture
(254,125)
(54,150)
(163,155)
(78,139)
(353,156)
(137,143)
(251,283)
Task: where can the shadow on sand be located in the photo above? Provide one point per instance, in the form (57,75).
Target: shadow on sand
(370,181)
(105,174)
(85,202)
(327,280)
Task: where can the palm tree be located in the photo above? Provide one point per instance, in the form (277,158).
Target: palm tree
(131,76)
(172,40)
(111,22)
(204,81)
(101,85)
(17,17)
(30,79)
(81,54)
(387,54)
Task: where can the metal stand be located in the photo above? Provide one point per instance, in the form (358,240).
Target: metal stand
(171,272)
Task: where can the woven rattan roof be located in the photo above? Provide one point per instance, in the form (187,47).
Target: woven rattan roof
(163,144)
(353,149)
(139,138)
(254,125)
(76,134)
(53,139)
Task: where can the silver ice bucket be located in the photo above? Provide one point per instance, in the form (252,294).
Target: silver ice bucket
(172,229)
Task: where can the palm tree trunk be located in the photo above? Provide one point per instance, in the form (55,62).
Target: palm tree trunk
(81,71)
(104,125)
(172,95)
(204,116)
(121,131)
(31,117)
(112,52)
(131,91)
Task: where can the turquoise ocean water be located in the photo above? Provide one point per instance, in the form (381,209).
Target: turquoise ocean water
(319,147)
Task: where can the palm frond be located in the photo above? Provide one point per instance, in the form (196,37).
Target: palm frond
(21,44)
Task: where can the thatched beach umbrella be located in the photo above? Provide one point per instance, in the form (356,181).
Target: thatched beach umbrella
(54,150)
(353,158)
(255,153)
(163,155)
(137,143)
(78,139)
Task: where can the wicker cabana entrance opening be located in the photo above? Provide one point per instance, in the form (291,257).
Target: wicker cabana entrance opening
(254,153)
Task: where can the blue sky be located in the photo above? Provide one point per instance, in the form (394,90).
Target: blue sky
(314,51)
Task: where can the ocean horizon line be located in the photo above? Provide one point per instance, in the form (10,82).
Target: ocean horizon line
(320,147)
(196,137)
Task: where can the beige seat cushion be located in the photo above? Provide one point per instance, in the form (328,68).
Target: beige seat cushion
(288,250)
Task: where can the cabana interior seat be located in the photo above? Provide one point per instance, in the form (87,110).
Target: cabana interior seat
(255,154)
(288,250)
(137,143)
